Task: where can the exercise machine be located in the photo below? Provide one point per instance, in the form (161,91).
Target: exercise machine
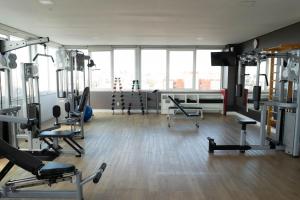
(49,174)
(287,104)
(51,137)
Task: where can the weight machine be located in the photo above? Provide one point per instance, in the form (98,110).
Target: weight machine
(71,82)
(44,173)
(7,63)
(286,103)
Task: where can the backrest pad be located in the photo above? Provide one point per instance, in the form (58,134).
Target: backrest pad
(20,158)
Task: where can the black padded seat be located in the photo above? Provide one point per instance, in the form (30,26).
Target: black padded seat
(53,169)
(57,134)
(75,114)
(246,121)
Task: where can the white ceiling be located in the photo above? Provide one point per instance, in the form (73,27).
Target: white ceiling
(149,22)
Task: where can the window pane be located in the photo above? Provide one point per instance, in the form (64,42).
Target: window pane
(52,69)
(153,64)
(124,66)
(43,69)
(250,80)
(100,75)
(22,57)
(3,36)
(181,70)
(207,77)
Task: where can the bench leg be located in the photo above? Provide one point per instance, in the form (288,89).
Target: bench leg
(51,146)
(73,147)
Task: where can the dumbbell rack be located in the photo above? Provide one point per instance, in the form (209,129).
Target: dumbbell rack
(117,82)
(136,90)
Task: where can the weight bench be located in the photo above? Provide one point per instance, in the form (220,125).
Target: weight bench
(191,116)
(51,139)
(44,174)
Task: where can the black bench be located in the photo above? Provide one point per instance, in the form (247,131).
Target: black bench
(51,139)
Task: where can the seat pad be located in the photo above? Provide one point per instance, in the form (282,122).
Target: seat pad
(246,121)
(75,114)
(55,168)
(57,133)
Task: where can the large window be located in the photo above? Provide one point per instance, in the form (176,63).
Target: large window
(153,68)
(52,68)
(207,77)
(124,66)
(181,69)
(43,63)
(174,69)
(3,36)
(23,56)
(100,75)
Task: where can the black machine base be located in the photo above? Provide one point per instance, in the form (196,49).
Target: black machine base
(212,146)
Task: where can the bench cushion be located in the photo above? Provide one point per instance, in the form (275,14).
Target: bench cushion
(246,121)
(55,168)
(57,133)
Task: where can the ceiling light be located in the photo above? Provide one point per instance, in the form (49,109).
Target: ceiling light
(199,38)
(46,2)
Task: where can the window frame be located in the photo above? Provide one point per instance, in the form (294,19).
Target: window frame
(138,67)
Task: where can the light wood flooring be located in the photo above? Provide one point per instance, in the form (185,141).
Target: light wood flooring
(148,160)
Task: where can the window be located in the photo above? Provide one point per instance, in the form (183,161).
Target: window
(181,69)
(3,36)
(153,68)
(23,56)
(207,77)
(124,66)
(100,75)
(43,70)
(250,80)
(52,69)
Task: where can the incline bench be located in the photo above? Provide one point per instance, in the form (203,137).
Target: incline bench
(184,109)
(44,174)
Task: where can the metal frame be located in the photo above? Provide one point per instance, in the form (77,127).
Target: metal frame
(178,107)
(7,46)
(171,117)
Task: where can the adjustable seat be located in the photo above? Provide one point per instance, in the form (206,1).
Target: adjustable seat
(245,122)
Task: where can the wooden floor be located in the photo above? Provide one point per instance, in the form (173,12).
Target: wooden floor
(147,160)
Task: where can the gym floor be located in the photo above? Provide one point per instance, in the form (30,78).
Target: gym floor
(147,160)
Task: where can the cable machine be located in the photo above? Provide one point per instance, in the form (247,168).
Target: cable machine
(284,104)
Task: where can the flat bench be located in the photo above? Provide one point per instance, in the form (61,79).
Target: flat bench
(51,139)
